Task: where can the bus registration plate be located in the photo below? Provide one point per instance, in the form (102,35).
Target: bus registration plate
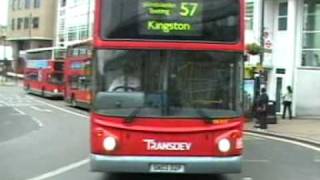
(167,168)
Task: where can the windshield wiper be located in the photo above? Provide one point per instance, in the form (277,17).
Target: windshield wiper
(133,115)
(204,115)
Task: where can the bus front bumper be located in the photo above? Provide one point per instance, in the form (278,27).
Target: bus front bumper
(142,164)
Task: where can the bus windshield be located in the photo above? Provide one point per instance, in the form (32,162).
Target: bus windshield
(168,83)
(56,78)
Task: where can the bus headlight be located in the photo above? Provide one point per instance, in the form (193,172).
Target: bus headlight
(55,90)
(224,145)
(110,143)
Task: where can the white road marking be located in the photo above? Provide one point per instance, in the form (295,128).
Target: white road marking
(4,103)
(256,160)
(40,124)
(38,109)
(61,109)
(60,170)
(317,160)
(19,111)
(286,140)
(247,178)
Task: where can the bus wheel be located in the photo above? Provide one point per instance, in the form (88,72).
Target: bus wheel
(43,92)
(73,101)
(28,89)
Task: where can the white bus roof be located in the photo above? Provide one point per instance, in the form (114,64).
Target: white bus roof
(75,43)
(43,49)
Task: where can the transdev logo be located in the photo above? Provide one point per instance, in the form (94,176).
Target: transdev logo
(153,145)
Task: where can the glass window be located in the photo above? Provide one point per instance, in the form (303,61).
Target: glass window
(283,16)
(27,4)
(311,34)
(13,25)
(35,22)
(177,20)
(62,3)
(26,23)
(249,15)
(36,3)
(20,21)
(81,82)
(56,78)
(58,66)
(283,9)
(19,4)
(32,76)
(311,40)
(311,58)
(188,84)
(72,33)
(13,5)
(40,55)
(59,53)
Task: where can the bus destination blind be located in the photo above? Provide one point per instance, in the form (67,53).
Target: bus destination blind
(167,18)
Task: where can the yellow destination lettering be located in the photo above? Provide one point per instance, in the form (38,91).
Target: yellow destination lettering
(168,27)
(155,11)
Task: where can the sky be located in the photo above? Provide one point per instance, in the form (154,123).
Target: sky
(3,12)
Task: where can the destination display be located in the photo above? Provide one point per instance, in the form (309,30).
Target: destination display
(167,18)
(171,20)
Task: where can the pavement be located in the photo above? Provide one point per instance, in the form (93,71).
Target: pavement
(302,130)
(9,81)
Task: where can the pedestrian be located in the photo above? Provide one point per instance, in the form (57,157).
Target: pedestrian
(287,101)
(261,109)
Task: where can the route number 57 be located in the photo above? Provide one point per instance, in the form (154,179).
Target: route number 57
(188,9)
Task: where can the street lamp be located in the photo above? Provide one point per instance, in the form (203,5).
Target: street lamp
(260,76)
(262,31)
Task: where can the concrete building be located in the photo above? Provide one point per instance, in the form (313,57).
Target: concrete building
(5,48)
(74,21)
(31,24)
(292,33)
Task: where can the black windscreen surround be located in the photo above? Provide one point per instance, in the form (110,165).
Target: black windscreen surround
(171,20)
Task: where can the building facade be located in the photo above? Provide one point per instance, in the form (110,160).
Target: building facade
(292,33)
(5,49)
(74,21)
(31,24)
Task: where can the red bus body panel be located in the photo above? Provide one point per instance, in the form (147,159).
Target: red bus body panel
(131,136)
(82,96)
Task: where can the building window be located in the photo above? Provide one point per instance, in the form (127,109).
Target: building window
(63,3)
(13,5)
(13,25)
(20,21)
(27,4)
(35,22)
(19,4)
(283,16)
(249,15)
(26,23)
(72,33)
(36,3)
(83,32)
(311,34)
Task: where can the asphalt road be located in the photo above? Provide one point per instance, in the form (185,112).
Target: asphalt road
(45,139)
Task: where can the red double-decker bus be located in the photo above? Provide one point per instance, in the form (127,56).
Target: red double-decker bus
(43,74)
(77,74)
(168,86)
